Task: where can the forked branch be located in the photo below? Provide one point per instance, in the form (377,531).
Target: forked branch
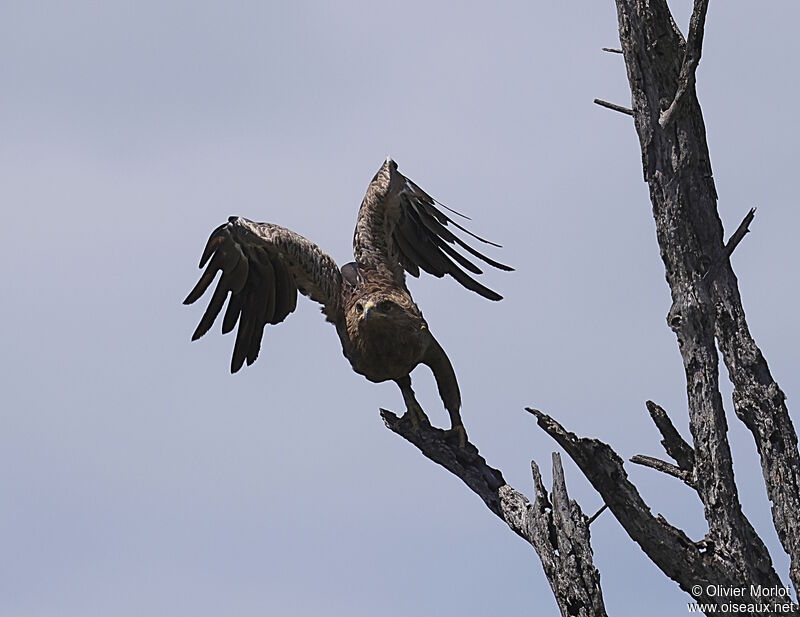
(556,528)
(694,49)
(680,451)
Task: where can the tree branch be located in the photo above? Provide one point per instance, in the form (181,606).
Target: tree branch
(594,516)
(733,242)
(667,546)
(680,451)
(558,531)
(604,469)
(562,540)
(736,238)
(614,107)
(466,463)
(664,467)
(694,49)
(760,404)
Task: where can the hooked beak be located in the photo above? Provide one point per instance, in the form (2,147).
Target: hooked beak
(369,308)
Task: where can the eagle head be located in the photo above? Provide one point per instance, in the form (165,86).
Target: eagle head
(381,309)
(372,308)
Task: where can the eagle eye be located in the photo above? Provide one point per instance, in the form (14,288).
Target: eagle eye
(359,307)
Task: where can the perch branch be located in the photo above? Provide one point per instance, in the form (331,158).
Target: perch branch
(466,463)
(557,530)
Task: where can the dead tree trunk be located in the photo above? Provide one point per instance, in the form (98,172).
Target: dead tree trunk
(706,315)
(706,306)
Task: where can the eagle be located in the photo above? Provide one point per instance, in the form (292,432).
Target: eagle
(383,334)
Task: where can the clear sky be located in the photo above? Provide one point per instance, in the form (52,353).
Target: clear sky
(138,477)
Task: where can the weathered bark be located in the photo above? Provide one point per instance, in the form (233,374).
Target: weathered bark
(558,530)
(761,405)
(560,535)
(673,443)
(705,563)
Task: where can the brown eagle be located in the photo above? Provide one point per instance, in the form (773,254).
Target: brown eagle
(382,331)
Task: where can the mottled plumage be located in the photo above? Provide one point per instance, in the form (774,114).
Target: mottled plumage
(382,331)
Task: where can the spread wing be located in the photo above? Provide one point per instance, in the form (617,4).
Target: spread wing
(400,229)
(263,267)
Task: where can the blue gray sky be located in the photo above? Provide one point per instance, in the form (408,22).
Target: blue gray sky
(139,477)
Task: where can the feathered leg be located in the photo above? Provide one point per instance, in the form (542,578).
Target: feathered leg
(439,363)
(413,408)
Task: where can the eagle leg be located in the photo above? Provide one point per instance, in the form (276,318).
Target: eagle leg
(417,416)
(414,411)
(439,363)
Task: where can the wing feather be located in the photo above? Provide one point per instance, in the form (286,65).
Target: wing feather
(429,214)
(246,324)
(285,301)
(213,309)
(463,261)
(233,312)
(419,248)
(410,259)
(400,229)
(263,267)
(258,315)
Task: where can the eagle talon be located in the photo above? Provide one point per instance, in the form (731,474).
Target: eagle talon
(459,433)
(416,416)
(413,418)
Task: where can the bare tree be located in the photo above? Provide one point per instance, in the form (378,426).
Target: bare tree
(706,315)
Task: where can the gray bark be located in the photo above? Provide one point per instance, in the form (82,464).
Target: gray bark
(708,562)
(558,530)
